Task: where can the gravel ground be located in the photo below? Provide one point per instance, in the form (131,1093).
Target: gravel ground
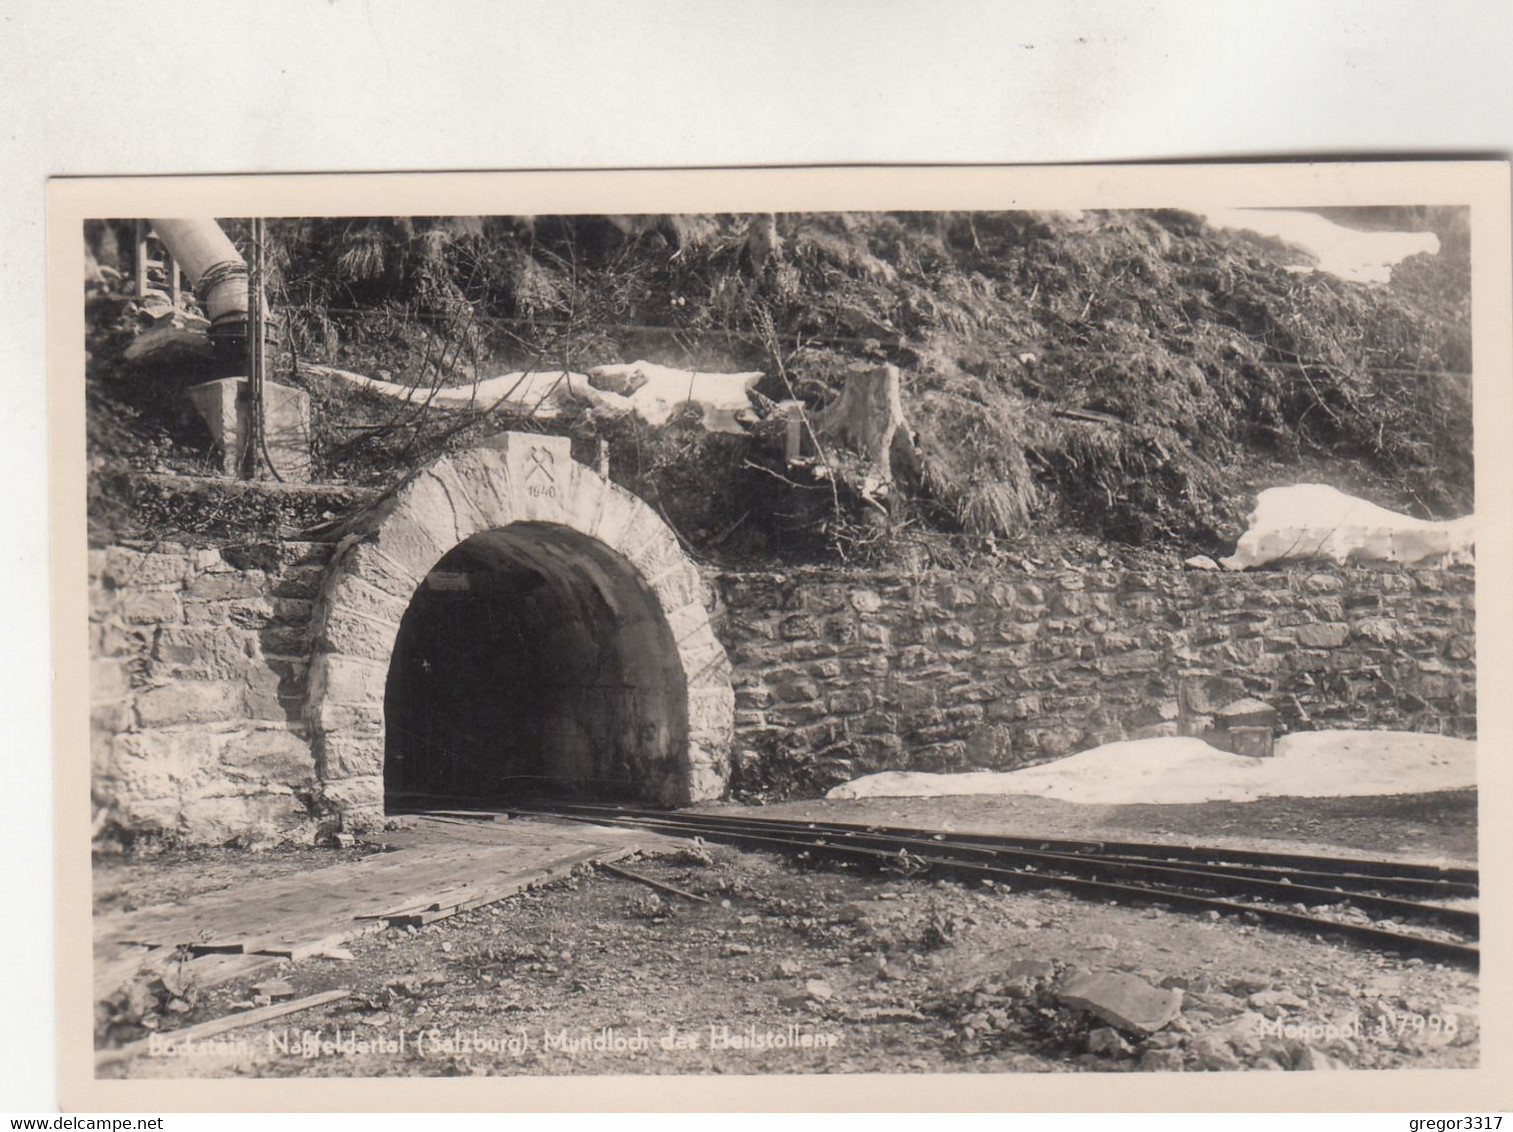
(797,969)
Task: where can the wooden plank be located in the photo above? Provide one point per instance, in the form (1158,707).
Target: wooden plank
(223,1025)
(468,815)
(650,883)
(112,973)
(213,970)
(293,916)
(509,887)
(308,899)
(310,925)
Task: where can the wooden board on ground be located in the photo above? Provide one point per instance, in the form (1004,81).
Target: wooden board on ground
(447,867)
(192,1034)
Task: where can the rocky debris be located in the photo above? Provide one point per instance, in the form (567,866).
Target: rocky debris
(690,855)
(1030,969)
(648,906)
(1108,1042)
(1271,1003)
(1212,1052)
(1309,1058)
(813,991)
(1162,1061)
(1126,1002)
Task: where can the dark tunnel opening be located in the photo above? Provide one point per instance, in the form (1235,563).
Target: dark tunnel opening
(533,662)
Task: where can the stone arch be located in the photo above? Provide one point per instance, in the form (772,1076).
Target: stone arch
(519,494)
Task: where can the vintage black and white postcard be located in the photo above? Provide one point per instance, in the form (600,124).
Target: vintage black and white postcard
(987,637)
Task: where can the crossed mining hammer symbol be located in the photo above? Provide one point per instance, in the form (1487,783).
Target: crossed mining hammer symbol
(540,458)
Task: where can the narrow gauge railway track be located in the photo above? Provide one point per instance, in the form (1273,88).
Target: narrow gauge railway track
(1189,877)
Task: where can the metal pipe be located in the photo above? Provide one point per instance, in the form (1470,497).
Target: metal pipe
(217,272)
(255,356)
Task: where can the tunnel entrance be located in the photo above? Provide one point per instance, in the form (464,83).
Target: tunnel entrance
(507,620)
(532,662)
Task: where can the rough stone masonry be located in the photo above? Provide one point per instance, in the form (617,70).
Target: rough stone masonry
(198,682)
(842,673)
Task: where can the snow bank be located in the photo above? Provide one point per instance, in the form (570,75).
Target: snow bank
(1364,257)
(1316,521)
(1310,764)
(658,392)
(662,389)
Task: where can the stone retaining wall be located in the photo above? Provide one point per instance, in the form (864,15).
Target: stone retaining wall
(197,684)
(199,679)
(840,674)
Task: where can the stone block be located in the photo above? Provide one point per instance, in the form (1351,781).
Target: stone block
(347,680)
(124,567)
(222,653)
(841,630)
(328,716)
(227,413)
(349,633)
(107,681)
(197,701)
(990,746)
(219,587)
(156,765)
(798,627)
(150,607)
(1072,604)
(271,755)
(1124,1001)
(958,597)
(1055,741)
(956,633)
(942,757)
(1322,584)
(911,695)
(850,701)
(1140,660)
(351,754)
(251,816)
(1327,635)
(110,716)
(753,698)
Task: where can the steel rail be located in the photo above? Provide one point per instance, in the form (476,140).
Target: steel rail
(1290,863)
(1229,883)
(946,858)
(1336,882)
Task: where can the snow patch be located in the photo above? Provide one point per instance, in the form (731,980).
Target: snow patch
(1173,771)
(660,391)
(1363,257)
(722,396)
(1316,521)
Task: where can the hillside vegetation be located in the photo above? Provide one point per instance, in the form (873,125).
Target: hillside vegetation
(1126,377)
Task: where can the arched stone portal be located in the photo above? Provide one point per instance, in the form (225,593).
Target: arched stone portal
(507,620)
